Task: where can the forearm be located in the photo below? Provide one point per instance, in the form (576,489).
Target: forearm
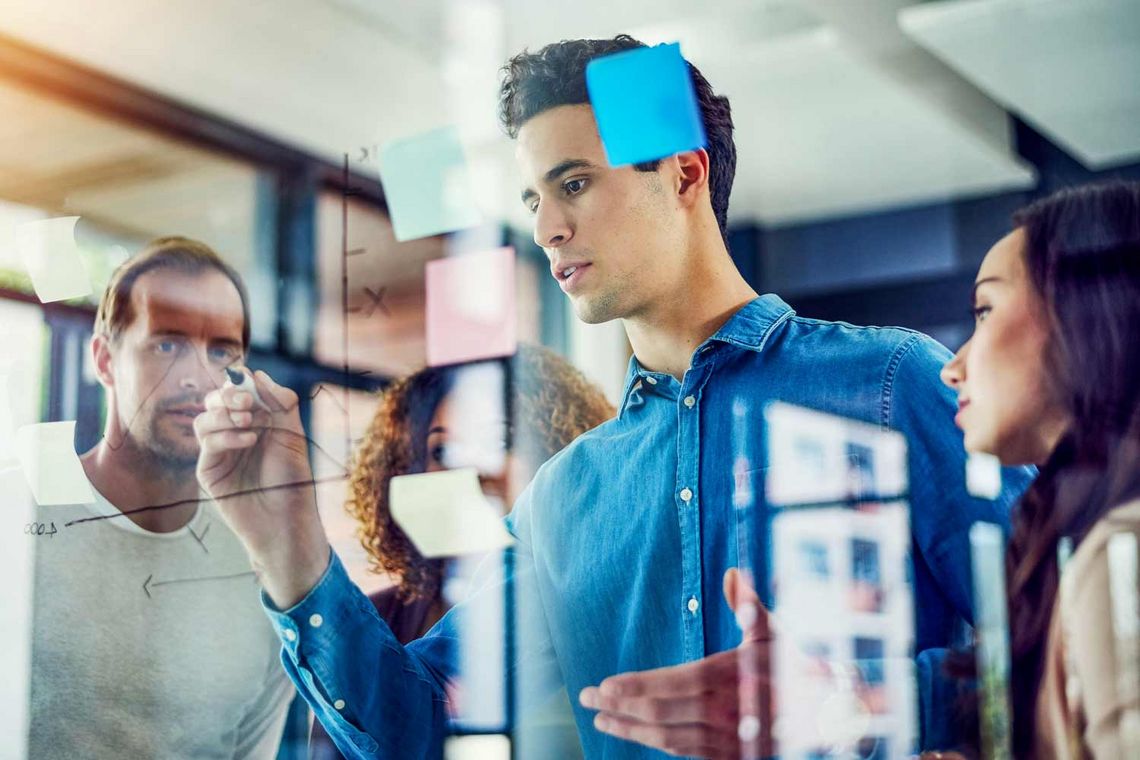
(374,697)
(291,566)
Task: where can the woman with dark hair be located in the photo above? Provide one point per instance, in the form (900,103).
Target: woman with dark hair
(504,417)
(1051,376)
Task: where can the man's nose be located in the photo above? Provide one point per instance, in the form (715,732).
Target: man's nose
(551,228)
(196,373)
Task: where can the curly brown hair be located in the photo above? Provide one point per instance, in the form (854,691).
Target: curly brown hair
(551,404)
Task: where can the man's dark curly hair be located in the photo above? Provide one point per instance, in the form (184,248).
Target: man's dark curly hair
(556,76)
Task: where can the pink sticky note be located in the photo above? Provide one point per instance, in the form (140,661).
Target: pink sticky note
(471,307)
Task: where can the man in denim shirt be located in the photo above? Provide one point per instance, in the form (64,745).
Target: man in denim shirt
(624,538)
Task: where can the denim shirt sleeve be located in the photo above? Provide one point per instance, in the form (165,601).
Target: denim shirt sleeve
(377,698)
(373,696)
(919,405)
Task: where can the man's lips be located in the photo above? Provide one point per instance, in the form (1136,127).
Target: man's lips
(558,269)
(188,412)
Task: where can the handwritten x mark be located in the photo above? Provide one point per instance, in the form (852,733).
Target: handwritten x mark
(376,302)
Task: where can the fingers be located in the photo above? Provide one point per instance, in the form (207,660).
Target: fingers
(688,680)
(716,709)
(217,429)
(751,616)
(684,740)
(277,397)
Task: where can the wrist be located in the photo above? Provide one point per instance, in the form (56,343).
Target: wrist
(290,570)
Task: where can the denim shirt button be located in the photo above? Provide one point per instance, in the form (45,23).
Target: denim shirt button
(690,401)
(686,495)
(651,380)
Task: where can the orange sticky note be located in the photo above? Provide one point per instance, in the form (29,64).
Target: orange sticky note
(471,307)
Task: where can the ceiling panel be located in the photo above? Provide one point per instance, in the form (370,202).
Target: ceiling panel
(1071,68)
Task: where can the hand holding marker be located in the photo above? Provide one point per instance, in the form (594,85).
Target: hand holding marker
(244,382)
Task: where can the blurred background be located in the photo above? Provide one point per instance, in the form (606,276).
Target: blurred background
(883,145)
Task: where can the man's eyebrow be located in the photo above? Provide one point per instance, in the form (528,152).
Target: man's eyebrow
(557,171)
(437,429)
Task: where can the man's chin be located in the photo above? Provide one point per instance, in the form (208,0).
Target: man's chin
(593,311)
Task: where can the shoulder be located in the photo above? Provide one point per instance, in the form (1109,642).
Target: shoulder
(885,346)
(1089,565)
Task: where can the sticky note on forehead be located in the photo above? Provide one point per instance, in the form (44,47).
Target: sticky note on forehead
(445,514)
(471,307)
(52,258)
(427,185)
(50,464)
(644,104)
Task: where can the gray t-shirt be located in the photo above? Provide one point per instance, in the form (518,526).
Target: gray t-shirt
(150,645)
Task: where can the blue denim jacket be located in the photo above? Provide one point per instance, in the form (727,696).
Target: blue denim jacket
(623,538)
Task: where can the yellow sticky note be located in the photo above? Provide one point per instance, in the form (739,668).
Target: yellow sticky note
(445,514)
(52,258)
(51,466)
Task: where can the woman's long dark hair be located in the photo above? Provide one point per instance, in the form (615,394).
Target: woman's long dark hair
(1083,257)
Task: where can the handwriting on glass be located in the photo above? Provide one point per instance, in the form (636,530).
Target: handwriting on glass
(40,529)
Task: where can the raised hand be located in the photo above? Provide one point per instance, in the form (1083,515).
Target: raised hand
(254,463)
(715,707)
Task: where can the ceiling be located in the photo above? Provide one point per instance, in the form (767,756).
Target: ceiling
(839,107)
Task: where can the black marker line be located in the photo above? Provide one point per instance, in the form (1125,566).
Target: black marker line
(199,538)
(147,582)
(343,476)
(344,301)
(247,492)
(322,387)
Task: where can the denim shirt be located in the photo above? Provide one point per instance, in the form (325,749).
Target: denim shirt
(623,538)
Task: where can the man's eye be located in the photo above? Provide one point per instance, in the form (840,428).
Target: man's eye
(574,186)
(223,354)
(165,347)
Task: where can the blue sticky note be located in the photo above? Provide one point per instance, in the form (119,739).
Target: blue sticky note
(427,185)
(644,104)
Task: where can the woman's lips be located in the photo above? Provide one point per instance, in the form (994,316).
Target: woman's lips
(961,408)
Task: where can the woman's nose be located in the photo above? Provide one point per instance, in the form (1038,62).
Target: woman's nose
(953,373)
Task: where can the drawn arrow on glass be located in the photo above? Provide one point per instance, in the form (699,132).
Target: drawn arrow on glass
(150,583)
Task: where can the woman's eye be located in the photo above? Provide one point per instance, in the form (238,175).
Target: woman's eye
(980,312)
(437,453)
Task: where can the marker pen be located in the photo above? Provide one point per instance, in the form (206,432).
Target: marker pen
(244,382)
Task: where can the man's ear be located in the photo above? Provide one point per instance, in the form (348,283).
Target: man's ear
(693,174)
(101,354)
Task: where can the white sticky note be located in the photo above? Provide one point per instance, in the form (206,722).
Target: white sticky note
(51,466)
(445,514)
(52,259)
(7,424)
(983,476)
(427,184)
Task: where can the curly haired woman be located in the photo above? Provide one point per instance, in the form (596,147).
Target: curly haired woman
(443,418)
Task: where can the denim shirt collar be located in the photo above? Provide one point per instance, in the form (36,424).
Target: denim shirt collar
(749,328)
